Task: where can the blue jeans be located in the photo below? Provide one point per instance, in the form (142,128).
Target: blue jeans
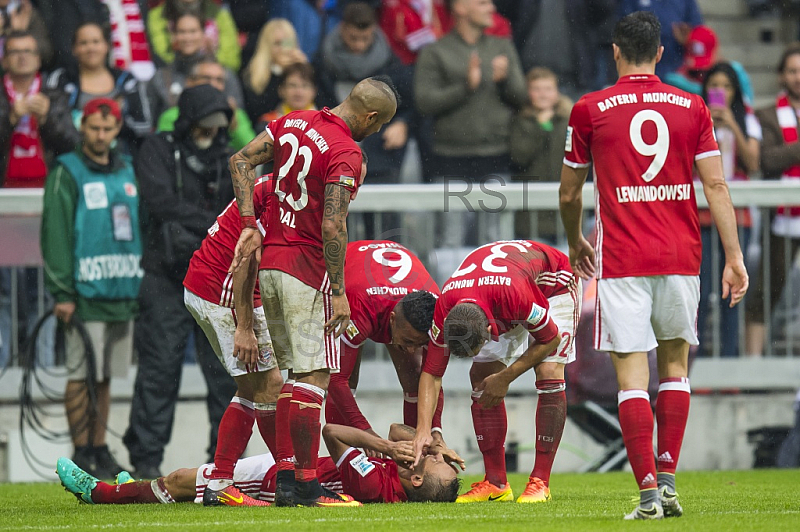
(729,317)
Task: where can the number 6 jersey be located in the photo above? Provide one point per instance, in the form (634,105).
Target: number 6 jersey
(643,138)
(312,149)
(511,281)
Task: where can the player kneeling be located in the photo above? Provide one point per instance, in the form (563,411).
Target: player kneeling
(348,469)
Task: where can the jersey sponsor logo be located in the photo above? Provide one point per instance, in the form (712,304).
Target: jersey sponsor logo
(362,464)
(568,144)
(352,331)
(651,193)
(537,314)
(95,195)
(618,99)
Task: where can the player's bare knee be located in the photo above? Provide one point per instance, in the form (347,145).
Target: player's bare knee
(181,483)
(549,371)
(480,370)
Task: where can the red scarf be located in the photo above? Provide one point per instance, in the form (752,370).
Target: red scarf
(130,49)
(26,166)
(787,219)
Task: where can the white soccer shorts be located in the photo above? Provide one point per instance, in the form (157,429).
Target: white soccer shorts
(296,316)
(219,325)
(565,310)
(633,313)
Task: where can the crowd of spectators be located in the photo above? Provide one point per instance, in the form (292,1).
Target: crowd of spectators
(486,89)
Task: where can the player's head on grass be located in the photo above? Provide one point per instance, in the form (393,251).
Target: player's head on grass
(410,320)
(466,329)
(370,105)
(432,480)
(637,39)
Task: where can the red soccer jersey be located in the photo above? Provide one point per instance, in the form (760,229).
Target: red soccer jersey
(511,282)
(312,149)
(643,137)
(370,479)
(208,275)
(378,274)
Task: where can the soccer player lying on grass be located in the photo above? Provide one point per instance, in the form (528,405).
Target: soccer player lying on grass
(370,480)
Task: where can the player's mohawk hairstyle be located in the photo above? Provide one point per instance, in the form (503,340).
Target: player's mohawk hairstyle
(465,329)
(638,37)
(417,308)
(386,80)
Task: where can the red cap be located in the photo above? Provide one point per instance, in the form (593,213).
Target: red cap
(94,107)
(701,48)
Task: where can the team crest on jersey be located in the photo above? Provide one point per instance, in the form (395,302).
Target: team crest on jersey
(347,181)
(362,464)
(352,331)
(568,144)
(537,314)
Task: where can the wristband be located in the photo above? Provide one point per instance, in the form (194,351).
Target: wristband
(249,221)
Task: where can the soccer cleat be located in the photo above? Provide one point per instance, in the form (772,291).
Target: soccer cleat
(284,489)
(653,512)
(329,499)
(535,491)
(669,501)
(229,496)
(486,491)
(123,477)
(75,480)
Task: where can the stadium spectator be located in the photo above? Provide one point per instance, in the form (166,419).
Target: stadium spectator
(780,159)
(249,17)
(470,84)
(35,122)
(677,18)
(700,56)
(312,19)
(409,25)
(93,78)
(21,15)
(357,49)
(92,246)
(297,91)
(208,70)
(738,135)
(189,47)
(184,184)
(276,49)
(302,267)
(537,144)
(560,35)
(220,36)
(648,284)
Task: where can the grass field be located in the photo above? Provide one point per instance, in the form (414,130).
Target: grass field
(739,500)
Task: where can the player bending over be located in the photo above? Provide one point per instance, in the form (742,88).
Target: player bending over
(370,480)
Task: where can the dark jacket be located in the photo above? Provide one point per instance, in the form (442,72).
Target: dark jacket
(138,120)
(536,153)
(178,216)
(58,134)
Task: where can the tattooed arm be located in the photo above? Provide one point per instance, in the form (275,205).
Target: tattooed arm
(334,246)
(243,174)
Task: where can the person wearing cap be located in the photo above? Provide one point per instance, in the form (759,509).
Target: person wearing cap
(184,185)
(92,246)
(700,55)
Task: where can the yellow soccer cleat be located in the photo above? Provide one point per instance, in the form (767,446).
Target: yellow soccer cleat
(486,491)
(535,491)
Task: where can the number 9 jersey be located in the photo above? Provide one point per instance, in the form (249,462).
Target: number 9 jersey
(312,149)
(643,137)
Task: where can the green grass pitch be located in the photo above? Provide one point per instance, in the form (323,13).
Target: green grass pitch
(714,501)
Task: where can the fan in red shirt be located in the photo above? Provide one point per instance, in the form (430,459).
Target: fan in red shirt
(643,138)
(209,297)
(392,297)
(504,295)
(372,480)
(317,171)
